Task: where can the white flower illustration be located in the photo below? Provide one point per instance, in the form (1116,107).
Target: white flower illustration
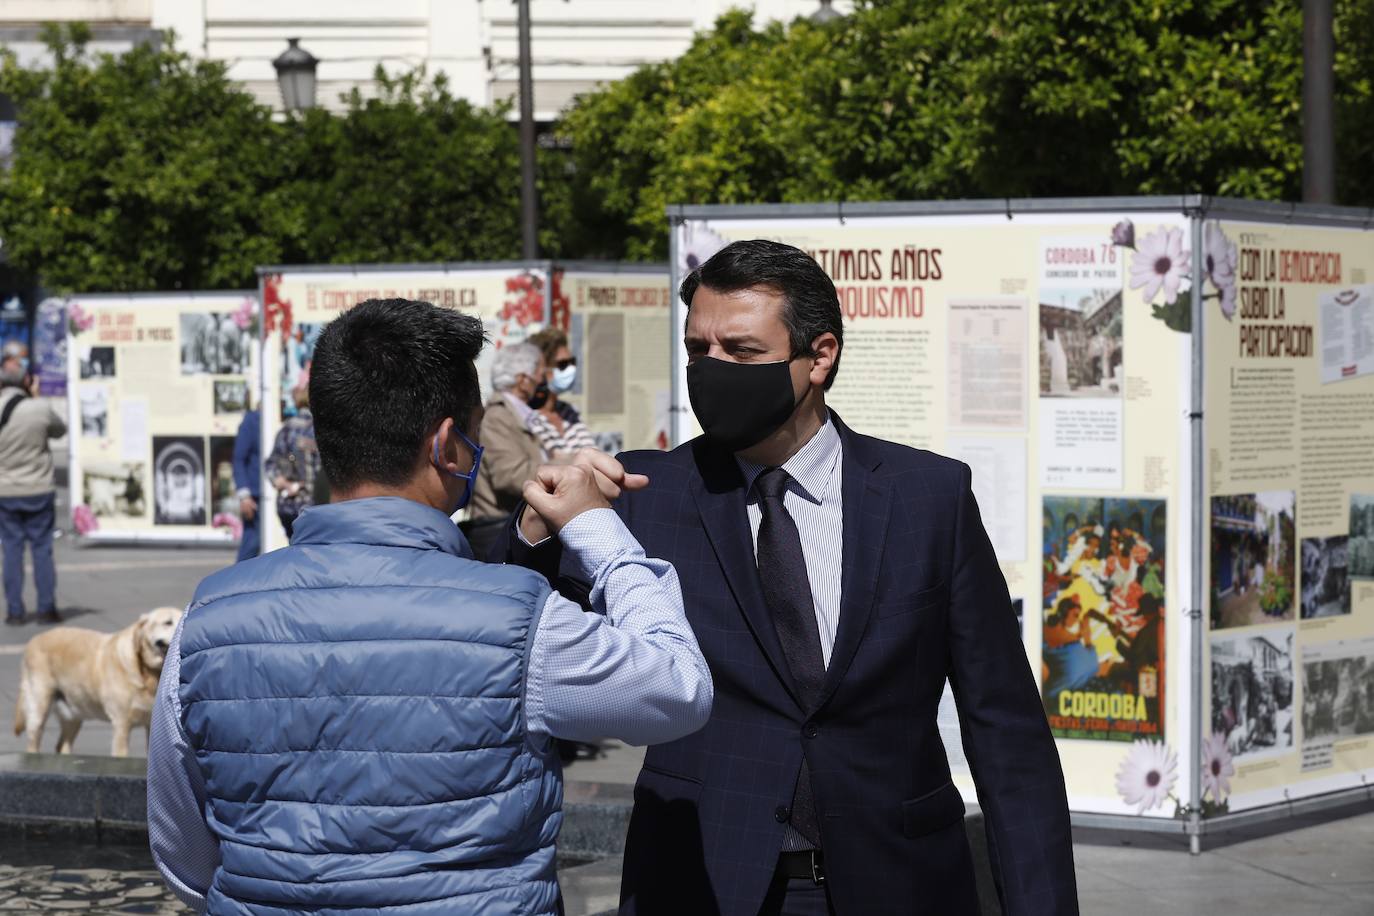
(1217,767)
(1219,255)
(1161,261)
(1147,775)
(698,244)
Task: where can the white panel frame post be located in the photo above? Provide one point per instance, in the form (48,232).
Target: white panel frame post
(1198,489)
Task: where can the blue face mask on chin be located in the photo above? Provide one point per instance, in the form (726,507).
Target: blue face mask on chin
(470,476)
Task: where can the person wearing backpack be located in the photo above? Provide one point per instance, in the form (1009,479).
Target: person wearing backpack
(28,497)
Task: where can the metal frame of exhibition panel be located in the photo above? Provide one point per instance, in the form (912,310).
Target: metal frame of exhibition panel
(1196,209)
(168,535)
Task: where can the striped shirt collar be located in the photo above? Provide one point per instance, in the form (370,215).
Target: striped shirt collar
(812,468)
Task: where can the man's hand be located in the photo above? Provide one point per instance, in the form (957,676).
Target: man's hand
(560,493)
(611,479)
(611,476)
(31,385)
(248,508)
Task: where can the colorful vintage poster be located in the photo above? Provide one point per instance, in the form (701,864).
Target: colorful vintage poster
(1103,610)
(1290,454)
(145,375)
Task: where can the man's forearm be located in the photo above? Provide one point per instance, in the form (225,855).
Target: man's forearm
(632,670)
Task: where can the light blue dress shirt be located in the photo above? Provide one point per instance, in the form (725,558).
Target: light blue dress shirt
(631,671)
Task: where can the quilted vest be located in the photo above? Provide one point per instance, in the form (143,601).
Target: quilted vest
(355,705)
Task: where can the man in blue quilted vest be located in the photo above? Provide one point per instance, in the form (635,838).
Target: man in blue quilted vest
(364,721)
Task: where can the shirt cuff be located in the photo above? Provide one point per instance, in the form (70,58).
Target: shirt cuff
(595,538)
(520,532)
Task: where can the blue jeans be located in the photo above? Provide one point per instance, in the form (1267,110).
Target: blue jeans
(250,545)
(28,519)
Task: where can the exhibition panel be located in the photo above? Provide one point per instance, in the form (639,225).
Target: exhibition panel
(157,388)
(615,316)
(1204,642)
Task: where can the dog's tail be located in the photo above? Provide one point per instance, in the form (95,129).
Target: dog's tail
(19,722)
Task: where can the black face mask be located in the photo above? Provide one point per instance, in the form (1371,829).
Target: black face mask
(540,396)
(740,404)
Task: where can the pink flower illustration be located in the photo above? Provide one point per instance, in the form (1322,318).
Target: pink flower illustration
(1147,775)
(84,520)
(246,315)
(78,320)
(1219,256)
(1161,262)
(1217,767)
(229,522)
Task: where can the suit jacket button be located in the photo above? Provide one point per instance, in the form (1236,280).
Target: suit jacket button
(782,814)
(810,730)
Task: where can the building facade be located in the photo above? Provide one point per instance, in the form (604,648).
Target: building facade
(576,44)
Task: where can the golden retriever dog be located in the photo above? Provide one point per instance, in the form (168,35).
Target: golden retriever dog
(91,675)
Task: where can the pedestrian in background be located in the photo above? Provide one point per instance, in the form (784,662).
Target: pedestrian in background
(513,452)
(294,462)
(28,497)
(248,481)
(557,424)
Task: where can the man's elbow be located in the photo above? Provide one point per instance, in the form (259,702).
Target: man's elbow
(697,711)
(689,710)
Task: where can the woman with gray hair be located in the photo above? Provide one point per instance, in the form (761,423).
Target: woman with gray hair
(511,452)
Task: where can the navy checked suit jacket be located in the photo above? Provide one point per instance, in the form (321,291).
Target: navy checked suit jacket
(922,599)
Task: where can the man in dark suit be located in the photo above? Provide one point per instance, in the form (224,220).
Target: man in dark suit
(833,581)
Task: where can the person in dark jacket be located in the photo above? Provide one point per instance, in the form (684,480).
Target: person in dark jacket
(835,582)
(364,721)
(248,482)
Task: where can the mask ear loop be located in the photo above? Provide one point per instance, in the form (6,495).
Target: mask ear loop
(470,476)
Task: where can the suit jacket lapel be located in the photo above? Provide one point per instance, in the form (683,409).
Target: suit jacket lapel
(867,504)
(720,498)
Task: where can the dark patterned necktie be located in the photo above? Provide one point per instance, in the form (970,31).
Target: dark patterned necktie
(787,591)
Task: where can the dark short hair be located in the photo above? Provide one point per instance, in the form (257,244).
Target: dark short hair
(810,306)
(385,374)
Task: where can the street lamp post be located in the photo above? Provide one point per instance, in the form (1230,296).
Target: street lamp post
(1318,119)
(825,14)
(296,76)
(529,203)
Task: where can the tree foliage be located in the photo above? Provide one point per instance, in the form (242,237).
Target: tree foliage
(410,175)
(928,99)
(138,172)
(151,170)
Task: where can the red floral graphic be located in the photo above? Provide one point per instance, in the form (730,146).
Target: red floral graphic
(524,299)
(559,305)
(276,310)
